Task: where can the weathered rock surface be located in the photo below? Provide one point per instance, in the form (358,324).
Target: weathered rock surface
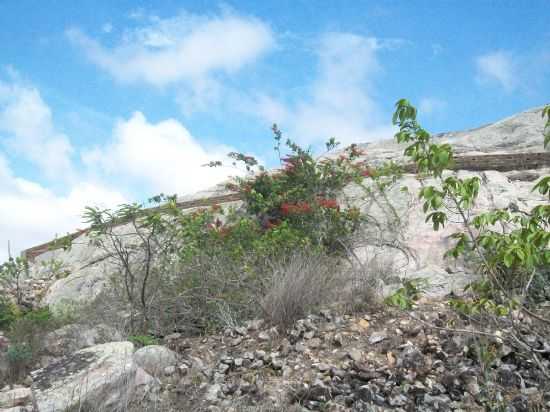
(154,359)
(101,376)
(73,337)
(15,397)
(519,133)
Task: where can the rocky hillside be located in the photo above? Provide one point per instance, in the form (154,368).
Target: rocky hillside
(374,359)
(518,134)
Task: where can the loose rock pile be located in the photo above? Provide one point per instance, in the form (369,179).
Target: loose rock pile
(338,363)
(387,360)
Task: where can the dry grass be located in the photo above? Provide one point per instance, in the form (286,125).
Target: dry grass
(299,286)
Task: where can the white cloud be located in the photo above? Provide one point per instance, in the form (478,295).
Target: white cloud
(431,106)
(163,156)
(139,157)
(27,126)
(185,48)
(31,214)
(497,68)
(340,101)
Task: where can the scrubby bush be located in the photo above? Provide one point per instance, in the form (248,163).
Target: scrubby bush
(143,340)
(298,285)
(197,270)
(11,273)
(511,246)
(306,193)
(8,312)
(26,334)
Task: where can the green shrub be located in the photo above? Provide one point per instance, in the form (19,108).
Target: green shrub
(202,269)
(11,273)
(26,335)
(512,246)
(8,313)
(305,193)
(143,340)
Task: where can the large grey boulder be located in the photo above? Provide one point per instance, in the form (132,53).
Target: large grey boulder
(15,397)
(154,359)
(422,249)
(101,377)
(73,337)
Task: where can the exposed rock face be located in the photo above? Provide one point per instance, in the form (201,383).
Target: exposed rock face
(73,337)
(15,397)
(427,247)
(516,134)
(154,359)
(522,133)
(101,376)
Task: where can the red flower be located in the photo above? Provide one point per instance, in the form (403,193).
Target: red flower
(328,203)
(285,209)
(299,208)
(366,173)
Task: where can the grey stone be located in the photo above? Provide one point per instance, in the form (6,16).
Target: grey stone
(376,338)
(154,359)
(15,397)
(102,376)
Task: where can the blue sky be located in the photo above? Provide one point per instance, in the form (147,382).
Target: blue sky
(103,102)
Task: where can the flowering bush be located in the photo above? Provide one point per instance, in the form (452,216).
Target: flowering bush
(304,193)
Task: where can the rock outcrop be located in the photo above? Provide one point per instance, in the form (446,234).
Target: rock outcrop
(101,377)
(88,269)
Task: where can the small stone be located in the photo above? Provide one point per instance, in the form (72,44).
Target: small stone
(398,400)
(326,314)
(309,335)
(277,364)
(355,355)
(169,370)
(376,338)
(338,340)
(300,348)
(229,389)
(255,324)
(323,367)
(241,330)
(437,401)
(264,336)
(223,368)
(237,341)
(228,360)
(314,343)
(171,337)
(258,363)
(364,393)
(260,354)
(213,392)
(533,390)
(238,362)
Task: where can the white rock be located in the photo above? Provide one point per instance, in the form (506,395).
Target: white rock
(154,359)
(71,338)
(15,397)
(101,377)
